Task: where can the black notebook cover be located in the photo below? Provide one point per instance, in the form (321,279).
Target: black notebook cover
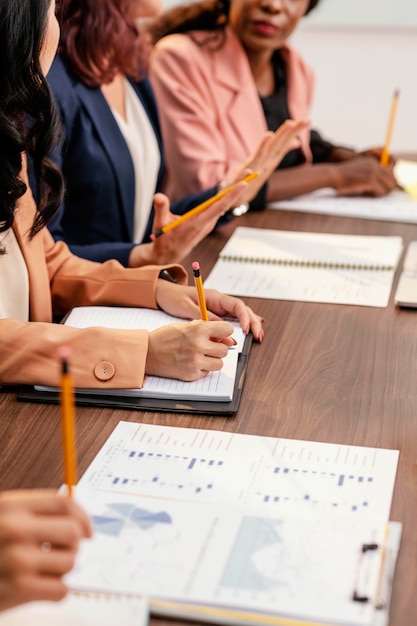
(30,394)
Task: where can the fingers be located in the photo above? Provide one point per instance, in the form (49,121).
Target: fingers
(30,559)
(46,502)
(182,301)
(29,588)
(365,175)
(177,242)
(32,588)
(187,351)
(39,537)
(162,211)
(224,305)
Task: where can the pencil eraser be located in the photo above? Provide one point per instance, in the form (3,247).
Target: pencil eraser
(196,265)
(152,237)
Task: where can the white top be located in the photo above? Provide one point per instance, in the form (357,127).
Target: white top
(14,280)
(143,147)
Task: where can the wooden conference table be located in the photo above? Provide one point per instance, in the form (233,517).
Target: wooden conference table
(331,373)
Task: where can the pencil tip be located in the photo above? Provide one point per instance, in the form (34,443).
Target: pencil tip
(396,93)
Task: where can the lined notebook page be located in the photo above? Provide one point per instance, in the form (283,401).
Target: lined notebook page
(309,267)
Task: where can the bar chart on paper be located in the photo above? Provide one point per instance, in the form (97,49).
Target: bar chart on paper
(278,475)
(293,520)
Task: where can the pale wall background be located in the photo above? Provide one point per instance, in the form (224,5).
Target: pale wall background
(361,50)
(357,70)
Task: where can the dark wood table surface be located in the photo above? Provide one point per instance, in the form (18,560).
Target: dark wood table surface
(330,373)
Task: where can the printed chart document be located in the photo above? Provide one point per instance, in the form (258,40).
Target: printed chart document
(242,529)
(217,393)
(309,267)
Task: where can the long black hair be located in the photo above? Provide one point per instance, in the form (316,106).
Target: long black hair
(207,15)
(28,121)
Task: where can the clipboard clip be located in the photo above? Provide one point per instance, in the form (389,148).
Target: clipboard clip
(366,557)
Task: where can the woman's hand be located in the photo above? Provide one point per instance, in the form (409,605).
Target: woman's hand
(175,244)
(182,301)
(363,175)
(270,152)
(189,350)
(376,153)
(39,536)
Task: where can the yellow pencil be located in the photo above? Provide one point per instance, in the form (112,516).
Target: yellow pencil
(200,291)
(202,207)
(385,152)
(68,422)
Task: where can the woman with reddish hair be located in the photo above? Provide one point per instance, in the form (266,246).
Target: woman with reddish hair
(112,156)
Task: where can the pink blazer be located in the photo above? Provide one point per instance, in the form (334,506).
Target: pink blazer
(210,112)
(58,280)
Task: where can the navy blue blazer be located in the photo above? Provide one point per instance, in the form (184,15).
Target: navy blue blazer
(96,218)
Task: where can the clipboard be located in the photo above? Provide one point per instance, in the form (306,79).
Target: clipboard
(225,409)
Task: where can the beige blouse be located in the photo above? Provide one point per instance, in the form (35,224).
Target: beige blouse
(14,280)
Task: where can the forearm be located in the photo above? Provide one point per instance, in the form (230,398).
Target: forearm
(78,282)
(339,153)
(29,354)
(295,181)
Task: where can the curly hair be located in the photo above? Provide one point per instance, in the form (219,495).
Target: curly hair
(101,39)
(28,121)
(207,15)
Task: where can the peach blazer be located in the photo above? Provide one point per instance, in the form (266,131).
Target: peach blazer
(58,280)
(210,111)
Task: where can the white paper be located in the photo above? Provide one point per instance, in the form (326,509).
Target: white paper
(397,206)
(285,476)
(284,265)
(80,610)
(228,558)
(211,519)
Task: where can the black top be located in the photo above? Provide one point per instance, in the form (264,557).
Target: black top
(276,112)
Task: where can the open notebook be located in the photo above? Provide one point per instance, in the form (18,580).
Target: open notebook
(218,392)
(240,529)
(309,267)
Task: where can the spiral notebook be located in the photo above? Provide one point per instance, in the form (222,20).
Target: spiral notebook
(309,267)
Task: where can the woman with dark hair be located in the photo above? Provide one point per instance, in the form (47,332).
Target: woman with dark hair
(223,73)
(30,521)
(40,278)
(112,155)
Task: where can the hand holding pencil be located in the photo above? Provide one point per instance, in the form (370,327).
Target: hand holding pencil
(179,241)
